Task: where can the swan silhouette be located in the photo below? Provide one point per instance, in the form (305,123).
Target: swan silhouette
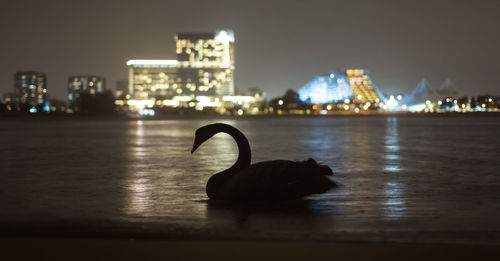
(267,180)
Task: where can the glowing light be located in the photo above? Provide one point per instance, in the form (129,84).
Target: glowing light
(147,112)
(490,100)
(483,105)
(428,102)
(346,107)
(33,110)
(347,100)
(236,99)
(392,102)
(152,63)
(440,102)
(356,110)
(141,104)
(191,104)
(360,97)
(404,106)
(182,98)
(240,112)
(329,107)
(170,103)
(224,36)
(400,97)
(332,75)
(280,102)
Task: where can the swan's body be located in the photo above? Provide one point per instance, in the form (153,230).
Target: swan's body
(267,180)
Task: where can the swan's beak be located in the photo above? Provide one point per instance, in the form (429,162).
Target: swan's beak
(196,144)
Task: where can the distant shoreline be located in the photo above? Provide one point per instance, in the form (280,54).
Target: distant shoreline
(117,117)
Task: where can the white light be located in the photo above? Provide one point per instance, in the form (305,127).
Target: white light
(399,97)
(280,102)
(346,107)
(347,100)
(33,110)
(240,112)
(332,75)
(329,107)
(224,36)
(182,98)
(440,102)
(428,102)
(360,97)
(159,63)
(236,99)
(170,103)
(392,102)
(141,104)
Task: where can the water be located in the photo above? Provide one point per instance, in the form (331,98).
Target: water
(404,179)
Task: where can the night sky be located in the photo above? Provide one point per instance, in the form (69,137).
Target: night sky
(279,44)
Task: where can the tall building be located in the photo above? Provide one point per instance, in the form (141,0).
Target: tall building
(353,85)
(30,87)
(152,79)
(84,84)
(204,67)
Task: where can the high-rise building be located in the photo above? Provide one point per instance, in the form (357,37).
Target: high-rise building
(84,84)
(204,66)
(152,79)
(30,87)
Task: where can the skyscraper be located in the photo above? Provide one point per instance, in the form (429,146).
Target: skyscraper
(84,84)
(204,66)
(30,87)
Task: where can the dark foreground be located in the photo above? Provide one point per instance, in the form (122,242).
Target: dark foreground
(127,249)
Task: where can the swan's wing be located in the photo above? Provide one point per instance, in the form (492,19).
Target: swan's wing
(277,179)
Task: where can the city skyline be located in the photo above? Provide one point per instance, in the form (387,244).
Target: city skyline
(288,45)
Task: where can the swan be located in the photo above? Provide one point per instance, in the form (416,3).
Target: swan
(267,180)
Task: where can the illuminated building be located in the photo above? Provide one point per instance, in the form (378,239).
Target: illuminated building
(152,79)
(351,85)
(204,67)
(84,84)
(30,88)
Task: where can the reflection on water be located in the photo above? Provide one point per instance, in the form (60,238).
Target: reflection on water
(396,174)
(391,156)
(394,206)
(139,184)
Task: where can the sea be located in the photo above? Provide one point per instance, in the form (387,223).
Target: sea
(402,178)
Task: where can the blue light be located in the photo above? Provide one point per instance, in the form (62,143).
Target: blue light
(46,107)
(327,89)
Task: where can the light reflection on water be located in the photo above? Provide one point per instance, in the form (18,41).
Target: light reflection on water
(396,173)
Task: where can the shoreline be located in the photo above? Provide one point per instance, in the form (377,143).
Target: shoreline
(6,118)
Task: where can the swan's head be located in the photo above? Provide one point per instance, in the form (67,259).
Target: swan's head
(201,135)
(321,169)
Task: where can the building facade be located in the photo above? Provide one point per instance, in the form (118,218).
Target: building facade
(347,86)
(84,84)
(204,67)
(30,88)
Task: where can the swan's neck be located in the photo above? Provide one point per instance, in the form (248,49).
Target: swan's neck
(244,153)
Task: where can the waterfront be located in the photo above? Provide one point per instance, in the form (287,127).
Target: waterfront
(404,179)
